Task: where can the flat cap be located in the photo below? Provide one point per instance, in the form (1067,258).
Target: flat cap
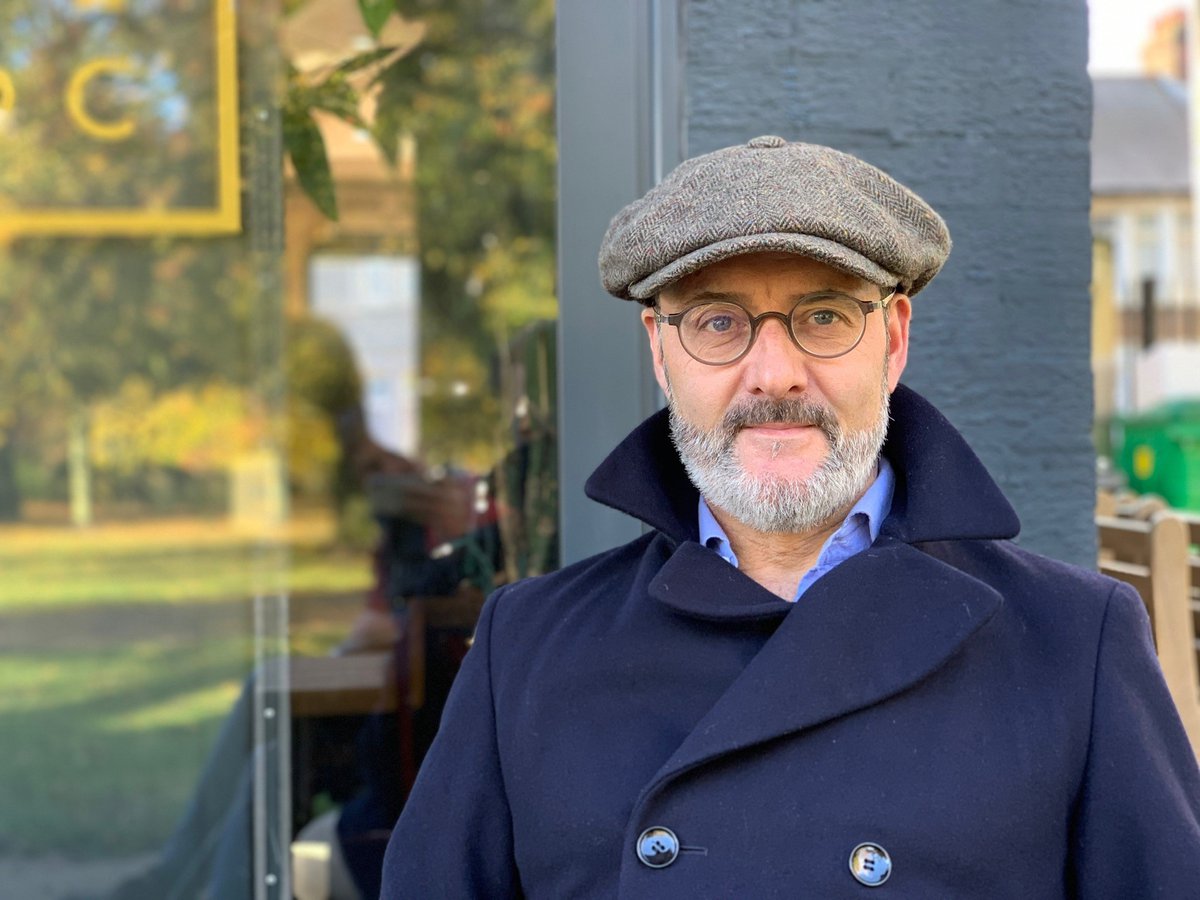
(774,195)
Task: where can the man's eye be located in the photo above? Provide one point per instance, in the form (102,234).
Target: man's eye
(717,323)
(718,320)
(822,317)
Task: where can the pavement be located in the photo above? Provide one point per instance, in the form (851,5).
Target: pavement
(56,878)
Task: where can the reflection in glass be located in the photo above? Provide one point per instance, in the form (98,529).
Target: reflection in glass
(181,433)
(439,274)
(141,497)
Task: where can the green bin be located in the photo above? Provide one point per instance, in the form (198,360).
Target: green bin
(1159,452)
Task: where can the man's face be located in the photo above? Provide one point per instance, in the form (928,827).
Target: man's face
(780,440)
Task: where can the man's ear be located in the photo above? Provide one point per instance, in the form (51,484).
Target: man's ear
(656,354)
(898,317)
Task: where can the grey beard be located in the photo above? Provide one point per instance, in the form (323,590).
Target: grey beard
(778,503)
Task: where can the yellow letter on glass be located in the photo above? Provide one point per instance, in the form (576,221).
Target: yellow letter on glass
(8,92)
(77,101)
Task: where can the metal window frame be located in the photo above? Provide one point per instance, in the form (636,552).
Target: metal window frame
(621,127)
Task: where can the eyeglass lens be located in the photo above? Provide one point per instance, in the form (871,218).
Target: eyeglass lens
(823,324)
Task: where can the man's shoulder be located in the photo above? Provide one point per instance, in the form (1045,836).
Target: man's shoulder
(1029,581)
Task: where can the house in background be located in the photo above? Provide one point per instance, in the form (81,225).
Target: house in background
(1146,318)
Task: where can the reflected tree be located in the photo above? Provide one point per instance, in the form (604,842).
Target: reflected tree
(83,317)
(476,92)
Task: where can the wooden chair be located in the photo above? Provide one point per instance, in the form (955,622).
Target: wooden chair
(1193,523)
(1153,557)
(424,617)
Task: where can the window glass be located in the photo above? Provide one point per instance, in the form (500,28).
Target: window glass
(1183,249)
(425,267)
(1148,246)
(277,412)
(143,509)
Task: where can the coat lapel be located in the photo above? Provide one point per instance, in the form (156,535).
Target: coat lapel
(870,628)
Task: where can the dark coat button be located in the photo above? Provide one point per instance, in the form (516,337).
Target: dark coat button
(870,864)
(657,847)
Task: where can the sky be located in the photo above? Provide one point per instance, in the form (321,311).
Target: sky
(1118,28)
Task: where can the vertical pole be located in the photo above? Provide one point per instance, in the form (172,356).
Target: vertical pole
(79,465)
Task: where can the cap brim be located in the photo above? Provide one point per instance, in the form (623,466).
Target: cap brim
(829,252)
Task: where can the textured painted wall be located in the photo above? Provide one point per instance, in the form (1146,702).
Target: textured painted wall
(983,108)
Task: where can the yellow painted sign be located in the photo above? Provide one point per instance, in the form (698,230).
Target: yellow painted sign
(119,120)
(111,6)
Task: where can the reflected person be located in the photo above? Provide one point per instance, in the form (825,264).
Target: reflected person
(209,852)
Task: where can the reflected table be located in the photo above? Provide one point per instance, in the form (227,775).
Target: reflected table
(356,684)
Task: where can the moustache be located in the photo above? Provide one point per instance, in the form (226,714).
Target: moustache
(794,411)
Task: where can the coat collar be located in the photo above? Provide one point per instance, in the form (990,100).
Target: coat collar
(943,492)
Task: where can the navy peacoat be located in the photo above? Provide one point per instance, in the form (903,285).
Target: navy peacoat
(994,721)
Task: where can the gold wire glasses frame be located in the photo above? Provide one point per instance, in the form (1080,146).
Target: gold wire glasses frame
(719,333)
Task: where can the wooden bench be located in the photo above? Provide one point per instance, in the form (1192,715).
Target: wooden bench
(1153,556)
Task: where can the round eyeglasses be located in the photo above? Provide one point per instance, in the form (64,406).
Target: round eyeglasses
(825,324)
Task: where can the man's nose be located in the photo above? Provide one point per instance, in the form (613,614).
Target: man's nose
(774,365)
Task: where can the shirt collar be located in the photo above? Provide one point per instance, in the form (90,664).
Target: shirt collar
(873,507)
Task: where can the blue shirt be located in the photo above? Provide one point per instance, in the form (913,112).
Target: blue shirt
(856,533)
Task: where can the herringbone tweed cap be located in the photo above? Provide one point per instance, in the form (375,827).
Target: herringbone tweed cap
(772,195)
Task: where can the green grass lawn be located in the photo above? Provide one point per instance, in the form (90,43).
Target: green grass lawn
(102,748)
(178,565)
(119,661)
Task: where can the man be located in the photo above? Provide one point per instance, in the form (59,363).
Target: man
(823,668)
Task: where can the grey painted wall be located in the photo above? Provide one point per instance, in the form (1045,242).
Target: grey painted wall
(983,108)
(619,87)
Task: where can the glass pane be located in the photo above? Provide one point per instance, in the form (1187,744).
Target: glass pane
(256,480)
(143,516)
(422,357)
